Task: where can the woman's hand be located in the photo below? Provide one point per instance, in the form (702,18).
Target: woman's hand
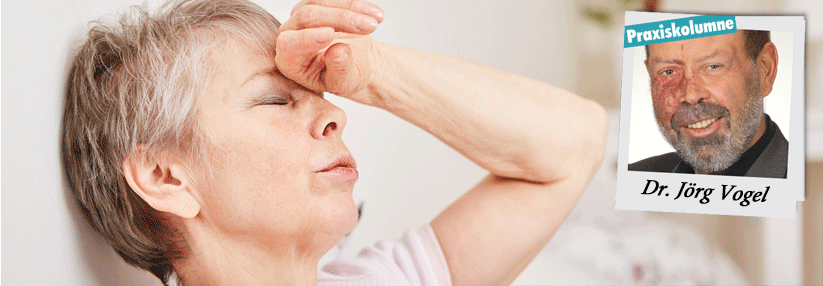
(323,46)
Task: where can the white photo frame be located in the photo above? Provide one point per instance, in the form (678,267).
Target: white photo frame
(639,136)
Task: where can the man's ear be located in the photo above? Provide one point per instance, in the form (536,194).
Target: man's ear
(165,186)
(646,62)
(767,68)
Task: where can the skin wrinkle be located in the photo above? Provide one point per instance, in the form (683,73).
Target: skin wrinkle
(714,85)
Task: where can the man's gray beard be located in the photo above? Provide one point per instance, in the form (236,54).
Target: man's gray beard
(719,151)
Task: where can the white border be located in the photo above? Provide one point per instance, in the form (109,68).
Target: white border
(783,193)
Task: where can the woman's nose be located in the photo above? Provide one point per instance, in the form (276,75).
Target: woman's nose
(329,120)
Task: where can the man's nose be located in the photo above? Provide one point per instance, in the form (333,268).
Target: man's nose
(693,88)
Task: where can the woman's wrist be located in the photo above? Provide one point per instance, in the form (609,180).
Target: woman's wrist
(392,82)
(375,93)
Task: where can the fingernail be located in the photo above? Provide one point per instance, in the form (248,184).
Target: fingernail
(366,23)
(322,35)
(374,12)
(341,58)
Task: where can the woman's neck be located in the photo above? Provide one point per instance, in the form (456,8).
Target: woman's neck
(215,259)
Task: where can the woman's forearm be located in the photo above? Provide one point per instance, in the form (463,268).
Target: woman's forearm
(512,126)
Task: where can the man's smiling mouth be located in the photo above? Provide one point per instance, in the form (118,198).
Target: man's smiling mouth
(703,123)
(703,128)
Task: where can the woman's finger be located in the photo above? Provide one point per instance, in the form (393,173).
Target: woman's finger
(341,76)
(358,6)
(297,52)
(342,20)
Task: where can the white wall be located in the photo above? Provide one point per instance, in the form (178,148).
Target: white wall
(45,241)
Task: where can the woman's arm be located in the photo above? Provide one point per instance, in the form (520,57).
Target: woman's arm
(540,143)
(512,126)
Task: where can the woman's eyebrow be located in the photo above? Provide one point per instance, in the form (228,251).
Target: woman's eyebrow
(268,71)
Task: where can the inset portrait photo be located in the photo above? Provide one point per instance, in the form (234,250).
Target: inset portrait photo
(715,105)
(709,112)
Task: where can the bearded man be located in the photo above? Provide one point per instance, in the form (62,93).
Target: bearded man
(708,101)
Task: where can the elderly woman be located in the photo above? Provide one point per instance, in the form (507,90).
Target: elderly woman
(198,143)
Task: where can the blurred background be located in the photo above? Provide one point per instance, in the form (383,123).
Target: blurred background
(408,176)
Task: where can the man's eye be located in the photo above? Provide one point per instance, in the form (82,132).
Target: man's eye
(711,67)
(667,72)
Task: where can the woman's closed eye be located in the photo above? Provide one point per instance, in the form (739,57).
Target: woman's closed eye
(273,100)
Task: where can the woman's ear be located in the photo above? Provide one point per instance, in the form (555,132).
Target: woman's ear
(165,186)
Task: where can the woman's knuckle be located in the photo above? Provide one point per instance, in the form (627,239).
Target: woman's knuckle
(354,4)
(345,17)
(303,16)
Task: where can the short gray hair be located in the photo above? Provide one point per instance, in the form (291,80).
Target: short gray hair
(138,83)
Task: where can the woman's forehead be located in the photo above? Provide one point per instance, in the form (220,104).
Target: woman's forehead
(238,67)
(236,63)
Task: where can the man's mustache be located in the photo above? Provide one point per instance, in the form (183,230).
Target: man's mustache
(690,113)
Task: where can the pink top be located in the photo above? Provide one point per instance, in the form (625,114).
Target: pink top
(417,259)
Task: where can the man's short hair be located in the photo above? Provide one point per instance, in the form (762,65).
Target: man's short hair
(137,84)
(755,41)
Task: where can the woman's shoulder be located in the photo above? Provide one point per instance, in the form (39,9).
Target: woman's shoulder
(416,259)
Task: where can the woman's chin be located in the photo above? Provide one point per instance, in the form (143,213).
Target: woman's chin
(348,217)
(342,217)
